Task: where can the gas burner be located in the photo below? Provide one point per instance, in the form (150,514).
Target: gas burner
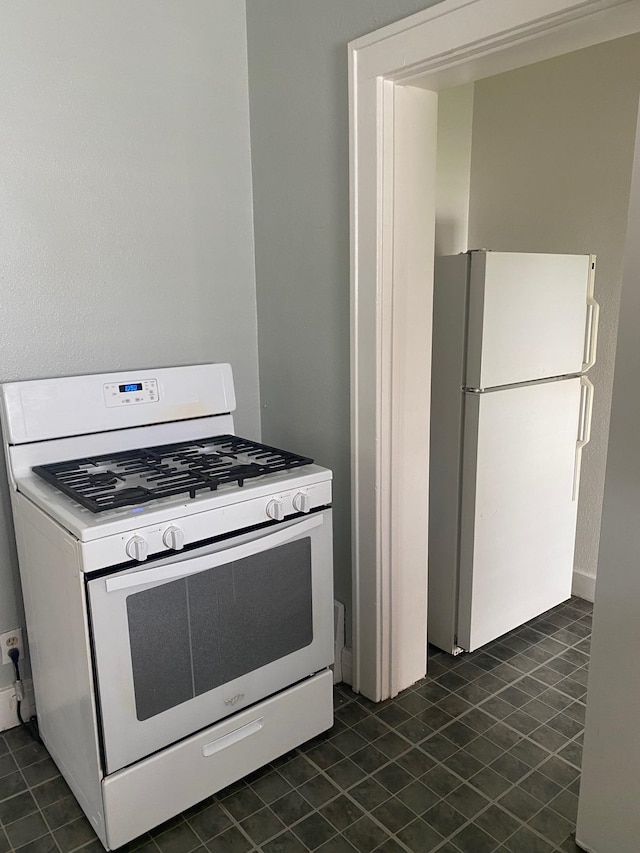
(134,495)
(102,478)
(138,476)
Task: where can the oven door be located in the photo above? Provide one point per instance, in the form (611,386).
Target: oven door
(184,641)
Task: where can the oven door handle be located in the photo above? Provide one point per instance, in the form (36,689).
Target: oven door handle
(192,566)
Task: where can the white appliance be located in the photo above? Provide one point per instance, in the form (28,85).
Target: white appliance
(513,337)
(177,584)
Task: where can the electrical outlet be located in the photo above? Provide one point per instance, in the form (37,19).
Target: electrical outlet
(11,640)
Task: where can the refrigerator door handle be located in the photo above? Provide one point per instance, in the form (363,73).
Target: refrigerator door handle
(584,429)
(593,316)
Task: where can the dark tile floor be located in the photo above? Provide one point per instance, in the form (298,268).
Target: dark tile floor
(483,755)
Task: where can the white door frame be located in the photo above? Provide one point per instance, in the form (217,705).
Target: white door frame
(394,75)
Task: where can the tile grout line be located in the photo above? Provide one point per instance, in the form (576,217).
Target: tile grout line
(38,811)
(392,757)
(520,734)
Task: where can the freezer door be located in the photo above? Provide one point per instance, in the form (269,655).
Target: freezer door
(528,317)
(518,517)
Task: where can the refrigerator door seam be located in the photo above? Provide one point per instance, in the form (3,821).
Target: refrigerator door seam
(490,389)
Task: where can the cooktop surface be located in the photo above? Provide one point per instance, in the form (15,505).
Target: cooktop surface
(132,477)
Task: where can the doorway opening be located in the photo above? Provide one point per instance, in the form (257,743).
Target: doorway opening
(396,75)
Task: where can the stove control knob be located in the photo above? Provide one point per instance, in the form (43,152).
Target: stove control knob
(302,502)
(275,510)
(137,548)
(173,538)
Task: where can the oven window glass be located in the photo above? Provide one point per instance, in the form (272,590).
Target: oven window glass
(194,634)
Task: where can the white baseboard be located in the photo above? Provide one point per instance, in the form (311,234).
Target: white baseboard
(584,586)
(8,714)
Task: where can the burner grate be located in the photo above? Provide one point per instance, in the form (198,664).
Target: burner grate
(134,477)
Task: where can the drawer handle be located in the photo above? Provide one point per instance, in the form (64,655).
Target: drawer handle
(233,737)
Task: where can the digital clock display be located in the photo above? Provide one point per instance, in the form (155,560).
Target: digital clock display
(130,386)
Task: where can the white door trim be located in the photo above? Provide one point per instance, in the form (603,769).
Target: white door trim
(453,42)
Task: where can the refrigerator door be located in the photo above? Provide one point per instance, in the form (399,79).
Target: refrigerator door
(529,317)
(518,513)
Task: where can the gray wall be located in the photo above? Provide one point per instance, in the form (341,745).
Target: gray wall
(125,203)
(608,816)
(300,154)
(550,172)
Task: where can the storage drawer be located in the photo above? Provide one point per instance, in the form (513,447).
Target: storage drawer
(144,795)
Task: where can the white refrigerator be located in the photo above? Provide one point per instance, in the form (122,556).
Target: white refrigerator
(514,335)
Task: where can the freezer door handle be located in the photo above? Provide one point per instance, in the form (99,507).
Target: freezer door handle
(584,429)
(593,317)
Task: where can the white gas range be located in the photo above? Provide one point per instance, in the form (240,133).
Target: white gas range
(177,583)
